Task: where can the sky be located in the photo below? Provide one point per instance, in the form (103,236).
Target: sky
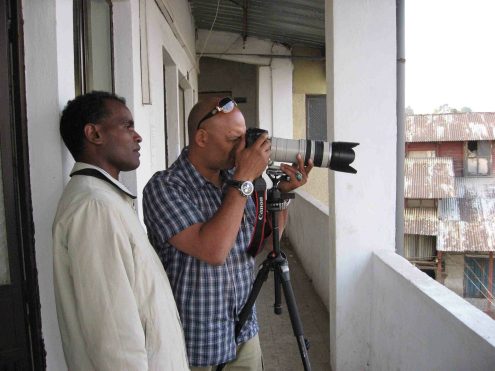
(450,54)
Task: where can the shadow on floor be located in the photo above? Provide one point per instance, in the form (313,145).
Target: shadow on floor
(280,350)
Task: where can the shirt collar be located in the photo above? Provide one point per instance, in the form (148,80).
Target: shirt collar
(82,165)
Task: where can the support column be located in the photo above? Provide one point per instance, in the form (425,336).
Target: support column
(281,70)
(439,267)
(265,113)
(490,282)
(361,107)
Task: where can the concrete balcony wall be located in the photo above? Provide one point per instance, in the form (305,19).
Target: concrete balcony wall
(419,324)
(308,232)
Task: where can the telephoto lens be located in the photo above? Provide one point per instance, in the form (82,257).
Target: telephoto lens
(333,155)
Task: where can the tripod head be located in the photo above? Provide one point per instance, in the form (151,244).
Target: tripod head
(276,200)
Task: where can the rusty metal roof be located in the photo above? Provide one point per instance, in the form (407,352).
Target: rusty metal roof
(450,127)
(422,221)
(466,209)
(467,222)
(474,187)
(458,236)
(427,178)
(290,22)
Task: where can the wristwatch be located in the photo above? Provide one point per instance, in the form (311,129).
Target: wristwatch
(246,187)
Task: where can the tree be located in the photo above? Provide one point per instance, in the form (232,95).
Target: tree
(445,108)
(409,111)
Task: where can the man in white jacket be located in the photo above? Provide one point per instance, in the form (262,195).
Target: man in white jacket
(115,306)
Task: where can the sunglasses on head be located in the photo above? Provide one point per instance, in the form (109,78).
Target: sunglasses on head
(225,105)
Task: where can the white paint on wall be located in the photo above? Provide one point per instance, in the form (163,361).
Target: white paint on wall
(265,98)
(44,25)
(282,98)
(231,46)
(307,230)
(164,49)
(361,78)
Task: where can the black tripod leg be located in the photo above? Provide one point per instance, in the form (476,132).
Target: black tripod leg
(246,310)
(283,272)
(277,306)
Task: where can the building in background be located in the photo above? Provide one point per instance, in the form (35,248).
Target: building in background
(450,201)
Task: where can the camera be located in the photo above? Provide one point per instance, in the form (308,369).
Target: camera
(336,155)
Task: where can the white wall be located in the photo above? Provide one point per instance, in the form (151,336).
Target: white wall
(307,230)
(418,324)
(274,74)
(361,54)
(48,87)
(166,45)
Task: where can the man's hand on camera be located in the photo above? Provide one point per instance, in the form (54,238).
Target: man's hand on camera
(298,174)
(251,161)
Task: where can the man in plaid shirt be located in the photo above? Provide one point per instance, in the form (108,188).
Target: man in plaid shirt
(200,219)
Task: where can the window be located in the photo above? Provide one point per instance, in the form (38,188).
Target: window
(93,46)
(429,203)
(419,248)
(476,277)
(478,158)
(420,154)
(182,118)
(316,117)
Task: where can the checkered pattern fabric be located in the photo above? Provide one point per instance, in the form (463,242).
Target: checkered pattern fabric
(209,297)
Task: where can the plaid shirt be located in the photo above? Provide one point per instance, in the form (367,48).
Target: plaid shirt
(208,297)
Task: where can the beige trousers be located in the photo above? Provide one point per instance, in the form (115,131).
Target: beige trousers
(249,358)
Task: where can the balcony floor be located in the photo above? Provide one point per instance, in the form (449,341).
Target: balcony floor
(280,350)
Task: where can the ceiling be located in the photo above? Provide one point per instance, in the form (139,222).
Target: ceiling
(289,22)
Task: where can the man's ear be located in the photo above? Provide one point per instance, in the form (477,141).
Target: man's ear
(201,138)
(92,133)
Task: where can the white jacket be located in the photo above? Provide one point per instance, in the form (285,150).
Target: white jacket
(115,307)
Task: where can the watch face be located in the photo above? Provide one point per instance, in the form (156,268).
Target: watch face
(247,188)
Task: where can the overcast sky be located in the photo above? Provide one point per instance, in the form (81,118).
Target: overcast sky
(450,54)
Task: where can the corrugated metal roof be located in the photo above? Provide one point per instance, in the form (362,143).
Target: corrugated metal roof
(450,127)
(427,178)
(475,187)
(467,222)
(466,209)
(458,236)
(422,221)
(290,22)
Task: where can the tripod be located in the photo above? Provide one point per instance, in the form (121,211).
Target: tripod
(276,261)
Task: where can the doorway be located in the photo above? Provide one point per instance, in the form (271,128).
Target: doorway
(21,343)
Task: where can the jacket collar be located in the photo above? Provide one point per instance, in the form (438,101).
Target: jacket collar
(82,168)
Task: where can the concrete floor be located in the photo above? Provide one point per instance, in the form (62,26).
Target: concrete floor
(280,350)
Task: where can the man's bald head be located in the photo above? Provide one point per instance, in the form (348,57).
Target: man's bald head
(199,111)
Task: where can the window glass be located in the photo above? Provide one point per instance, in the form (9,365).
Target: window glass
(475,277)
(478,158)
(4,254)
(101,45)
(421,203)
(316,117)
(93,56)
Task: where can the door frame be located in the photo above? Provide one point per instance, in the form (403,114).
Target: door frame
(15,168)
